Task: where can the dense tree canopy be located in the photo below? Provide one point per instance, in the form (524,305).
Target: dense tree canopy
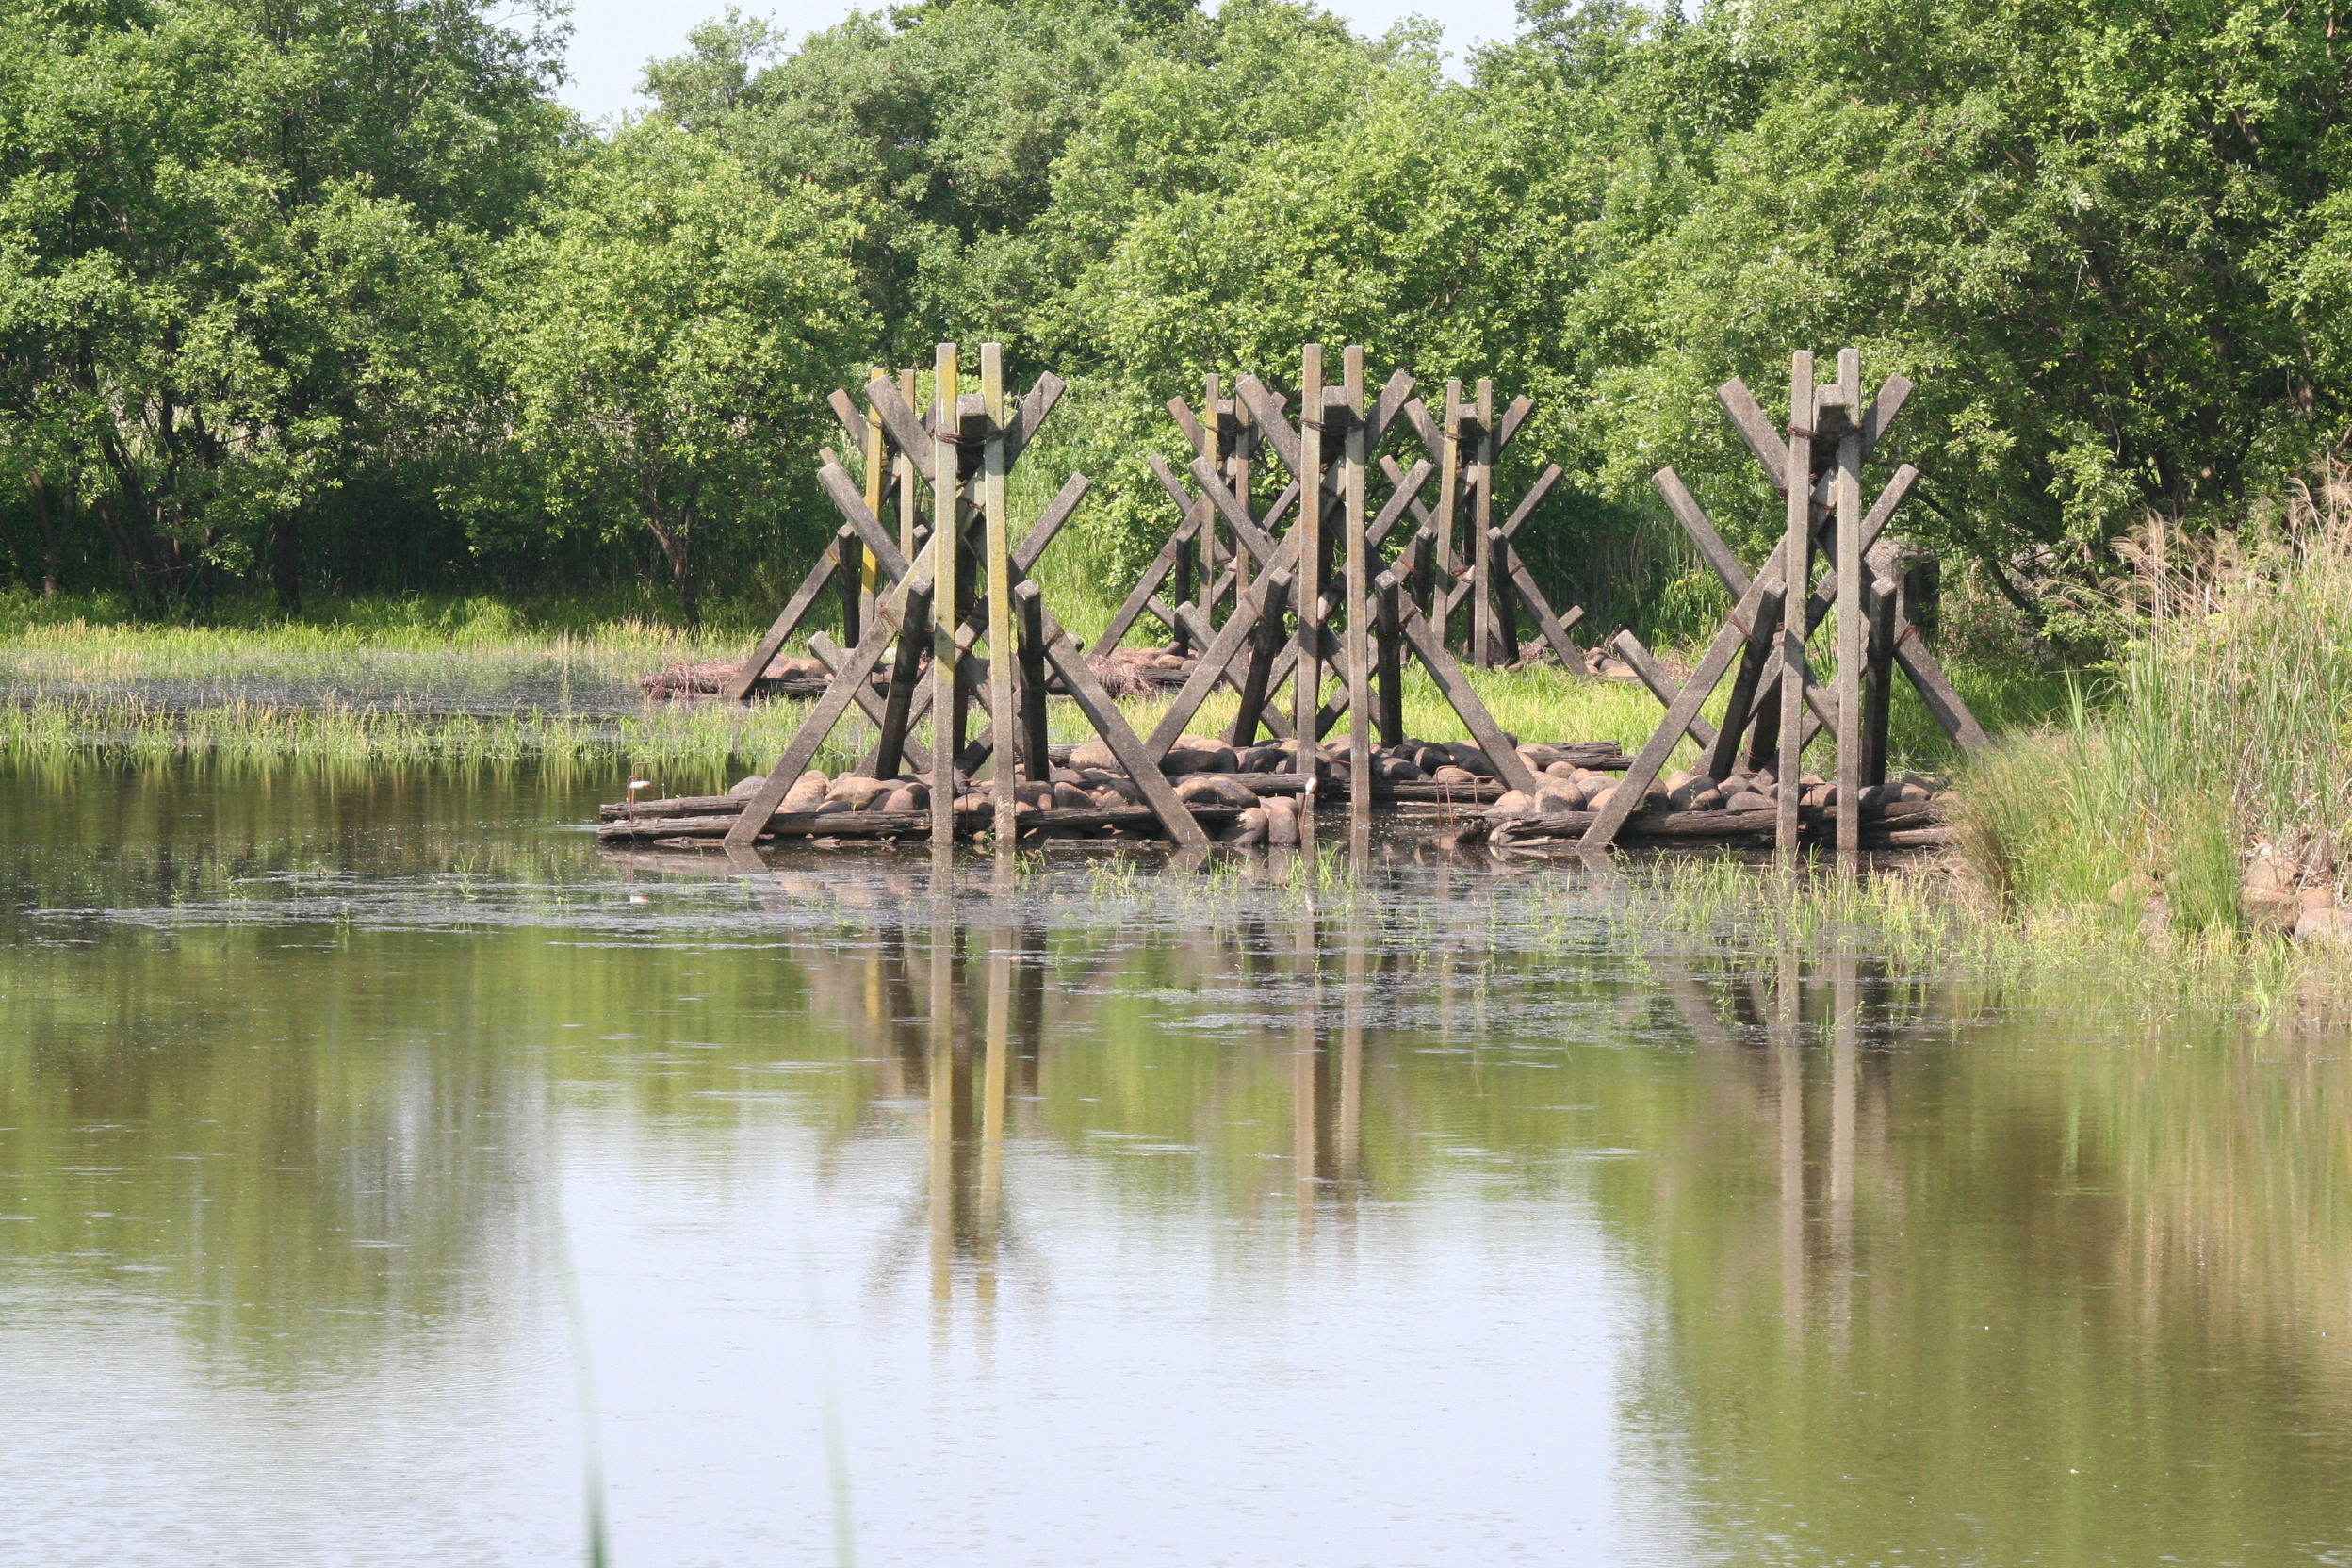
(270,269)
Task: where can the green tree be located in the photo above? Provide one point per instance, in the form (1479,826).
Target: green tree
(668,334)
(2075,224)
(236,236)
(943,125)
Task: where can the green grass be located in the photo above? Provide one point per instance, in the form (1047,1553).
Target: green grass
(2223,730)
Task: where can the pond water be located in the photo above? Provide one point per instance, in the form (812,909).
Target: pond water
(387,1176)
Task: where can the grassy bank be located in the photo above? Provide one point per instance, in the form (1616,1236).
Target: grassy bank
(408,678)
(2213,754)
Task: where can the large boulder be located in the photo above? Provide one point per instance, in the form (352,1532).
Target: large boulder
(1247,828)
(1213,789)
(856,790)
(1197,753)
(806,793)
(1556,797)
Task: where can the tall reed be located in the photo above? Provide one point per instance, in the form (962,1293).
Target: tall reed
(2218,734)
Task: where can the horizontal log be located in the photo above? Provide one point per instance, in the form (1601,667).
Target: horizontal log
(1915,814)
(876,824)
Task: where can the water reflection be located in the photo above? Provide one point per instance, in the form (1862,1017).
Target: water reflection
(1450,1216)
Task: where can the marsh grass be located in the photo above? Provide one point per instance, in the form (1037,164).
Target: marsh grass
(2220,731)
(1933,920)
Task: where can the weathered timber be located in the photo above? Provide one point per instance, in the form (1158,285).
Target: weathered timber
(786,623)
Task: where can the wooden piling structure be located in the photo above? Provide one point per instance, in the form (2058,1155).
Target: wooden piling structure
(1776,706)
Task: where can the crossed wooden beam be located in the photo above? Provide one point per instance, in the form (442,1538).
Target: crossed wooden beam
(1350,614)
(1775,703)
(931,587)
(897,452)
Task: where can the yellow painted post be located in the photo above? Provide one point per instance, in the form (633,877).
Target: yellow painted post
(1001,705)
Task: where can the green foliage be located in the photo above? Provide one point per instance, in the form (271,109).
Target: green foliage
(237,237)
(669,333)
(272,276)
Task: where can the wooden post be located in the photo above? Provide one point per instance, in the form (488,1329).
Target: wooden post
(1002,661)
(1852,630)
(850,575)
(909,508)
(1308,692)
(1358,598)
(1880,676)
(877,479)
(1265,648)
(945,486)
(1481,519)
(1797,561)
(1238,478)
(1448,504)
(1212,448)
(897,709)
(1029,608)
(1392,666)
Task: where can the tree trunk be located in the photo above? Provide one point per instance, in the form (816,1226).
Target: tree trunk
(285,560)
(677,538)
(52,532)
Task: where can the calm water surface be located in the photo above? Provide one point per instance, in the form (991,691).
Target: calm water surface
(387,1177)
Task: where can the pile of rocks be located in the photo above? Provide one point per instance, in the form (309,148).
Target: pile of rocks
(1567,789)
(1242,794)
(2273,895)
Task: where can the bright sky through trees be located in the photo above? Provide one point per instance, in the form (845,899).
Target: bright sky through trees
(612,40)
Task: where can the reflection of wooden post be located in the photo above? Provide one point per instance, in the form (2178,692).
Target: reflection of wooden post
(947,611)
(1302,1096)
(942,1097)
(1797,565)
(1845,1050)
(1358,599)
(1350,1152)
(1853,634)
(1002,659)
(995,1075)
(1308,590)
(1789,1074)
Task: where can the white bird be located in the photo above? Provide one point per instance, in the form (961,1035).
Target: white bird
(636,784)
